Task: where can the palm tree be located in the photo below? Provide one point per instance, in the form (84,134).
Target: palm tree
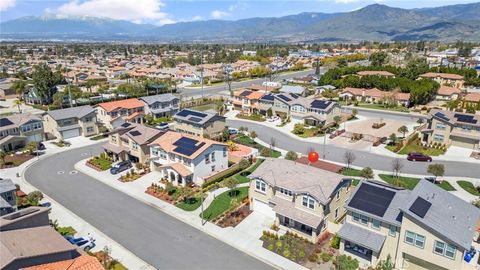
(18,102)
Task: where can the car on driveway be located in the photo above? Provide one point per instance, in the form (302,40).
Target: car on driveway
(120,167)
(85,243)
(232,131)
(418,157)
(163,126)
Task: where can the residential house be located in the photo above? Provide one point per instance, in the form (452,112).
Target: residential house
(8,202)
(446,93)
(163,105)
(6,87)
(185,159)
(426,228)
(204,124)
(453,129)
(303,199)
(17,130)
(292,89)
(112,114)
(264,87)
(453,80)
(247,101)
(71,122)
(130,141)
(28,242)
(472,99)
(32,97)
(375,73)
(375,95)
(305,80)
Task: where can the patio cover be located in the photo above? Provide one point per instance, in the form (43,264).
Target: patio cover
(179,168)
(287,209)
(362,237)
(114,148)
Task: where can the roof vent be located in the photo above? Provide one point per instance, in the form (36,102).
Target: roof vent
(454,217)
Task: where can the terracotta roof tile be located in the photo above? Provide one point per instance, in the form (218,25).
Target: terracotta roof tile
(130,103)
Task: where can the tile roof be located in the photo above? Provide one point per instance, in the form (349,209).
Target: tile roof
(447,91)
(197,117)
(130,103)
(82,262)
(442,75)
(324,165)
(474,97)
(299,178)
(179,168)
(140,134)
(375,73)
(167,140)
(361,236)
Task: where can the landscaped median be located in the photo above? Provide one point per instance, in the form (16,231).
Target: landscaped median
(411,182)
(469,187)
(100,163)
(186,198)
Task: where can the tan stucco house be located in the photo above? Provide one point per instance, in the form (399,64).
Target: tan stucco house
(18,130)
(71,122)
(204,124)
(304,199)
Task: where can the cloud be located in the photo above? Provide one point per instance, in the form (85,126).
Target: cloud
(217,14)
(6,4)
(238,6)
(137,11)
(346,1)
(197,18)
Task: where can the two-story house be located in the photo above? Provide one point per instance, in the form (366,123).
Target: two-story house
(426,228)
(304,199)
(185,159)
(247,100)
(447,93)
(18,130)
(453,80)
(452,128)
(114,113)
(163,105)
(71,122)
(130,142)
(8,200)
(203,124)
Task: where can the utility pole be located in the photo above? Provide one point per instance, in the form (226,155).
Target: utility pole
(69,88)
(201,72)
(324,142)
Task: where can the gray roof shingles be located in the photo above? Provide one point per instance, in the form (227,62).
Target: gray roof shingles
(77,112)
(158,98)
(361,236)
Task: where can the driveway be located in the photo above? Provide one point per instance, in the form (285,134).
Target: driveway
(155,237)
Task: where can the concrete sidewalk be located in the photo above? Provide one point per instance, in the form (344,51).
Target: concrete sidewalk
(246,239)
(67,218)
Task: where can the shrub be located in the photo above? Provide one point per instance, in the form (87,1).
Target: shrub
(326,257)
(301,254)
(266,152)
(312,257)
(335,242)
(286,253)
(270,247)
(291,155)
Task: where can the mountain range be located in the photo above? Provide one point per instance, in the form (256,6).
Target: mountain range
(372,23)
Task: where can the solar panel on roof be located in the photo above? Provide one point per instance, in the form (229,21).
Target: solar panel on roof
(465,118)
(135,133)
(267,97)
(185,141)
(372,199)
(245,93)
(184,150)
(294,95)
(284,97)
(420,207)
(187,146)
(195,119)
(5,122)
(125,124)
(441,116)
(320,104)
(185,113)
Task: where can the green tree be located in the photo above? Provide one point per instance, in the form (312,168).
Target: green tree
(367,173)
(253,134)
(231,184)
(291,155)
(31,147)
(18,103)
(44,80)
(392,138)
(403,130)
(19,86)
(345,262)
(436,169)
(378,58)
(354,113)
(3,155)
(298,128)
(89,84)
(337,119)
(387,264)
(34,197)
(266,152)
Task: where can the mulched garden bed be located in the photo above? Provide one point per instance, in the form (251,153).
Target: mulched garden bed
(15,160)
(233,218)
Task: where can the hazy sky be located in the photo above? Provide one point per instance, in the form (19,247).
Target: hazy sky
(170,11)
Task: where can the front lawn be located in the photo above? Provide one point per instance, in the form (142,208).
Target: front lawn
(242,176)
(382,107)
(190,205)
(223,202)
(101,163)
(245,140)
(98,137)
(253,117)
(446,186)
(468,187)
(405,182)
(414,148)
(352,172)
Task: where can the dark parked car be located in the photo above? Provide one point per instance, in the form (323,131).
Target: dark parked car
(418,157)
(41,146)
(120,167)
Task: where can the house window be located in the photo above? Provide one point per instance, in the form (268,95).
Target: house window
(213,168)
(355,217)
(114,139)
(224,151)
(450,252)
(376,224)
(338,195)
(260,185)
(207,158)
(414,239)
(392,231)
(438,138)
(443,249)
(308,202)
(163,154)
(440,126)
(213,156)
(88,119)
(154,151)
(439,247)
(285,191)
(336,213)
(135,145)
(89,129)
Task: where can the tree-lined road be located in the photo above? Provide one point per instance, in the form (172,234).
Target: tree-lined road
(363,158)
(155,237)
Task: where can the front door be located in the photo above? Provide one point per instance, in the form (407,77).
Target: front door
(286,220)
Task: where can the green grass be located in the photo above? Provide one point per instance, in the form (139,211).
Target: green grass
(103,164)
(190,206)
(405,182)
(243,178)
(446,186)
(352,172)
(355,182)
(245,140)
(205,107)
(223,202)
(119,266)
(98,137)
(381,107)
(413,148)
(468,187)
(253,117)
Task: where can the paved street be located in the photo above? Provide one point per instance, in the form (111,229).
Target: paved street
(215,90)
(152,235)
(363,158)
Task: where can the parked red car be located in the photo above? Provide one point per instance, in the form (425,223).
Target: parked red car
(418,157)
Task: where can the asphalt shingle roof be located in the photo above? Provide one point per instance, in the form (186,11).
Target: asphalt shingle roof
(77,112)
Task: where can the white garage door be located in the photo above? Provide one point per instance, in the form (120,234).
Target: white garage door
(463,142)
(70,133)
(262,207)
(35,138)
